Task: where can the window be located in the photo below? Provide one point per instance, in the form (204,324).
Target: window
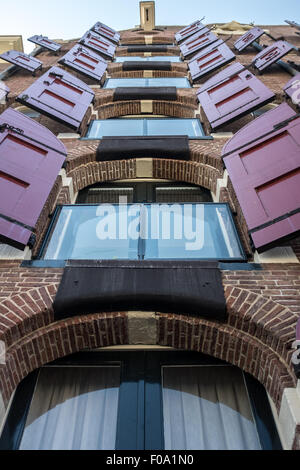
(140,400)
(143,231)
(153,58)
(147,82)
(147,127)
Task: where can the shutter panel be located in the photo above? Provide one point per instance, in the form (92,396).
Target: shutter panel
(85,61)
(59,95)
(292,89)
(197,42)
(107,32)
(232,93)
(98,44)
(248,38)
(263,162)
(45,42)
(209,59)
(298,331)
(22,60)
(271,54)
(189,31)
(30,160)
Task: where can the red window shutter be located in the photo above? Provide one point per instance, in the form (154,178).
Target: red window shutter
(189,31)
(30,160)
(198,41)
(263,162)
(232,93)
(107,32)
(209,59)
(98,44)
(45,42)
(292,89)
(22,60)
(248,38)
(59,95)
(84,61)
(271,54)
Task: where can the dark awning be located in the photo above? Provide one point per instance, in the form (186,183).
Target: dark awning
(131,65)
(120,148)
(145,93)
(189,288)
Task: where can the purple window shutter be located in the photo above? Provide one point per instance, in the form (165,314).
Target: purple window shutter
(232,93)
(107,32)
(292,89)
(22,60)
(248,38)
(271,54)
(59,95)
(45,42)
(30,160)
(263,162)
(298,330)
(98,44)
(197,42)
(4,90)
(85,61)
(209,59)
(189,31)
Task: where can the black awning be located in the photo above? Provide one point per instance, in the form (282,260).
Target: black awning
(145,93)
(120,148)
(188,288)
(146,48)
(145,65)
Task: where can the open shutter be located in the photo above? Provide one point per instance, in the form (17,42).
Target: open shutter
(232,93)
(45,42)
(292,89)
(30,160)
(107,32)
(85,61)
(59,95)
(209,59)
(263,162)
(98,44)
(22,60)
(271,54)
(189,31)
(248,38)
(197,42)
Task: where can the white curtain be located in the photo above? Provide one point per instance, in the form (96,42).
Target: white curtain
(207,408)
(73,408)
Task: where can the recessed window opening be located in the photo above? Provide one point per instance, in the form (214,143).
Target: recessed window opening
(178,82)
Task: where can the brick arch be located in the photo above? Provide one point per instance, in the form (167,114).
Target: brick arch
(252,339)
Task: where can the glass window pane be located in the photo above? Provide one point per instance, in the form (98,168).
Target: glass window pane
(139,127)
(73,408)
(164,58)
(180,82)
(190,127)
(91,232)
(207,408)
(191,231)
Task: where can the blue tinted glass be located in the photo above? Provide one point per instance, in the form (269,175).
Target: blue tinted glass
(139,127)
(144,231)
(164,58)
(190,127)
(147,82)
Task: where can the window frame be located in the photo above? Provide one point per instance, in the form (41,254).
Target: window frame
(104,87)
(139,427)
(204,137)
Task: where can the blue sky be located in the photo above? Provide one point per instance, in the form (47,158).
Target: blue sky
(71,18)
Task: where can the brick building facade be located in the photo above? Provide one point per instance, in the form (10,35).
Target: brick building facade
(263,303)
